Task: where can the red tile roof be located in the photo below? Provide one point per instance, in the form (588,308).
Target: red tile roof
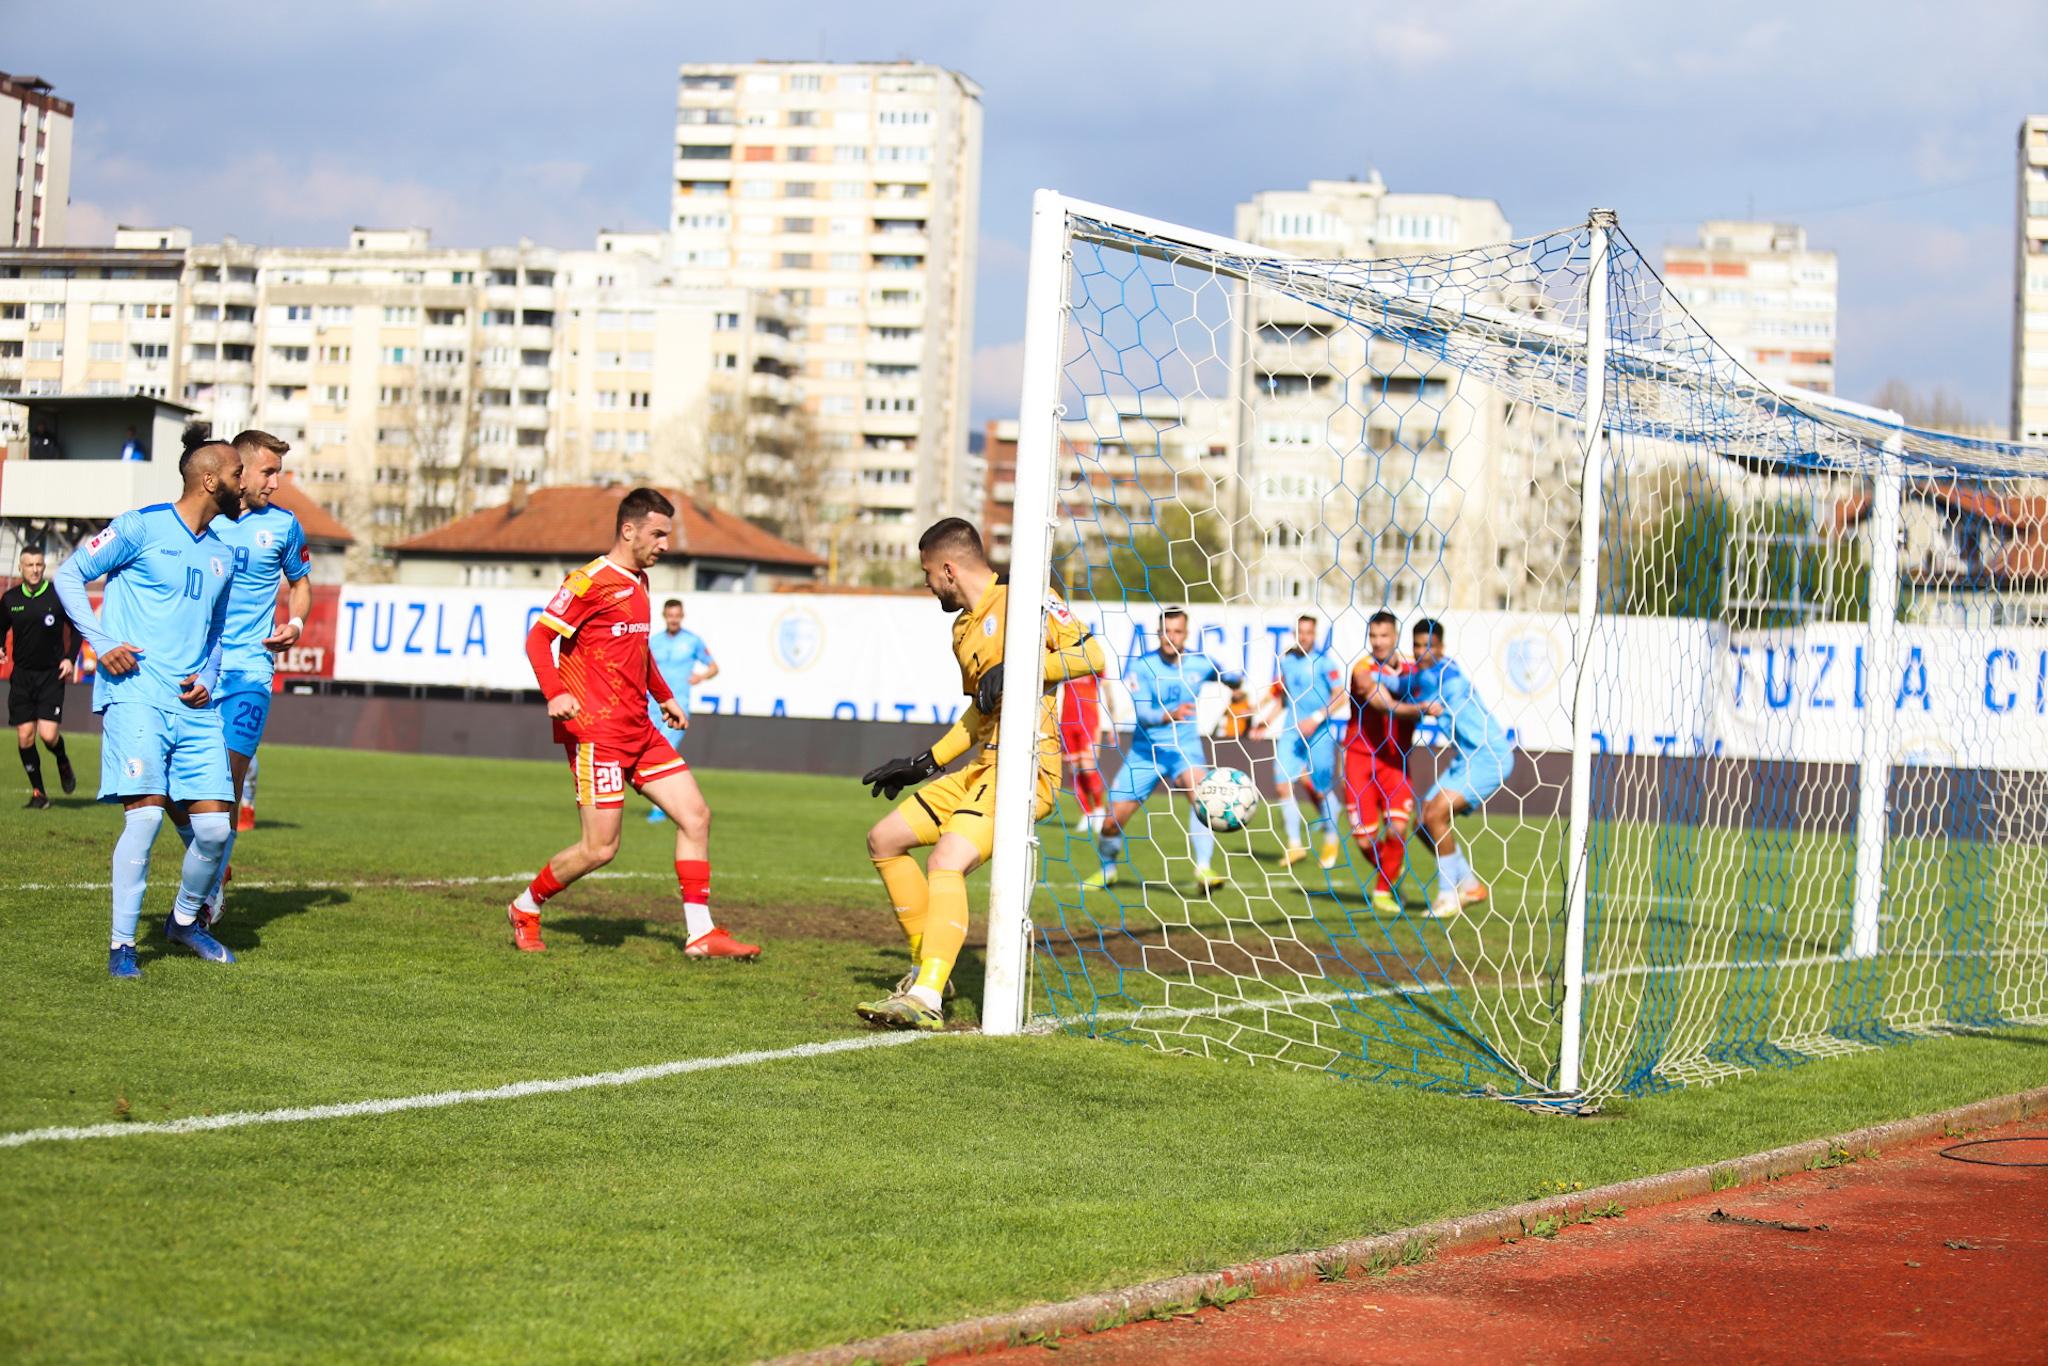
(577,521)
(321,526)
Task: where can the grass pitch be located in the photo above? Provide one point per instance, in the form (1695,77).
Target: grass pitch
(711,1216)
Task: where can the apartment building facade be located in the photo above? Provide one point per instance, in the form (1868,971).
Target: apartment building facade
(1371,474)
(850,192)
(416,384)
(37,126)
(1765,295)
(2030,287)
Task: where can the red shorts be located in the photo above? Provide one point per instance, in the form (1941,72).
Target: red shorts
(1078,738)
(604,768)
(1375,788)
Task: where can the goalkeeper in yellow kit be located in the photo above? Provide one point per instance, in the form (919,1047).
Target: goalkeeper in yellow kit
(955,815)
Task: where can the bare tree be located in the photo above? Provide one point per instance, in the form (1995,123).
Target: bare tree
(1937,407)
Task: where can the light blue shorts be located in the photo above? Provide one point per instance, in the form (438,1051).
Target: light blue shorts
(1313,756)
(1144,770)
(149,752)
(1475,776)
(243,702)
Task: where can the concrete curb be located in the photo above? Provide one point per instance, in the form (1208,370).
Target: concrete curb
(1091,1313)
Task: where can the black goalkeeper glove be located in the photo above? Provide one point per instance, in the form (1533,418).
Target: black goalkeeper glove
(988,693)
(886,780)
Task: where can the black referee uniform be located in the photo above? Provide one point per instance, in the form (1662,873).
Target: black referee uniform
(42,638)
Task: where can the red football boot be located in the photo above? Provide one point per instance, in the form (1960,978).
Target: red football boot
(716,943)
(525,930)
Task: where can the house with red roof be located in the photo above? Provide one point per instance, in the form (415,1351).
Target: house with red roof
(538,536)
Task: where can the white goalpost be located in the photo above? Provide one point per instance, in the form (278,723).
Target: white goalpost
(1743,727)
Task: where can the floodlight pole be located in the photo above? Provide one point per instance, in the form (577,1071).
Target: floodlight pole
(1873,781)
(1013,873)
(1592,481)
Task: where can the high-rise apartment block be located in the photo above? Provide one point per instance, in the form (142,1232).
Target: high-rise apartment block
(1765,296)
(37,126)
(1373,475)
(849,192)
(2030,288)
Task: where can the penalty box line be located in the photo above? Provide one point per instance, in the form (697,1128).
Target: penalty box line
(422,883)
(441,1100)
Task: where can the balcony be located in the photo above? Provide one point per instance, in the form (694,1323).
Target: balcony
(530,335)
(501,296)
(532,377)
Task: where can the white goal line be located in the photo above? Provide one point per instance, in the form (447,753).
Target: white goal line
(439,1100)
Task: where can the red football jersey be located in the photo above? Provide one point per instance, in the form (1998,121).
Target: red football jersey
(601,613)
(1382,734)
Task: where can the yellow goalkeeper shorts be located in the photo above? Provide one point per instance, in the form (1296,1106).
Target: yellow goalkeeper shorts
(964,804)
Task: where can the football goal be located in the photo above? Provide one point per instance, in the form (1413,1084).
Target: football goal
(1723,742)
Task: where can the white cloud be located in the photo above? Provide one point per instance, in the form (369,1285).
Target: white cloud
(998,371)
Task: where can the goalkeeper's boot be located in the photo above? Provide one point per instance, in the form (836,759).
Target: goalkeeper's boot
(901,1011)
(195,938)
(1331,854)
(525,930)
(909,980)
(1385,902)
(1096,882)
(1295,854)
(716,943)
(1207,880)
(121,962)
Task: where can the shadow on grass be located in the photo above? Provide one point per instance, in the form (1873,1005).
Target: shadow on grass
(248,914)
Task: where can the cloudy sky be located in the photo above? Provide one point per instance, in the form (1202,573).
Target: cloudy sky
(1887,128)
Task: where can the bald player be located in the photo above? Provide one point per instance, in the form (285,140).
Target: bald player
(157,635)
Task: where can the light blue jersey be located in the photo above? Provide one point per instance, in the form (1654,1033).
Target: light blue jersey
(268,547)
(1485,757)
(677,656)
(1305,683)
(167,595)
(1159,687)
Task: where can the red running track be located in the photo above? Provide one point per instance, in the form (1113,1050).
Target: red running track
(1907,1256)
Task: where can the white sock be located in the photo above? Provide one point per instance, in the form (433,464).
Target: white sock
(696,921)
(1290,815)
(925,997)
(524,904)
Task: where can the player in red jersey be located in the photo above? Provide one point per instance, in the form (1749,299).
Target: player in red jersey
(597,696)
(1080,727)
(1376,786)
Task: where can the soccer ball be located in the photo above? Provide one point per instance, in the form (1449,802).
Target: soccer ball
(1226,799)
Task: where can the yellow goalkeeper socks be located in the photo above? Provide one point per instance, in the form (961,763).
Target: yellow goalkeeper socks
(904,881)
(945,931)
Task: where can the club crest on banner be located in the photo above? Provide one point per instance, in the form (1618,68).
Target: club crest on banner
(1525,660)
(799,639)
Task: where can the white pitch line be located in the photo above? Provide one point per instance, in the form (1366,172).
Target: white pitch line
(438,1100)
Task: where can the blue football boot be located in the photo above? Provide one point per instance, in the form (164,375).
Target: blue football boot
(121,962)
(195,938)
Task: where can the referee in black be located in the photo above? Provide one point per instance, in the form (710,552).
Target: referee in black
(43,647)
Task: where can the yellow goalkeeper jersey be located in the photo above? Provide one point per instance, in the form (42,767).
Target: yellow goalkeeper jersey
(978,646)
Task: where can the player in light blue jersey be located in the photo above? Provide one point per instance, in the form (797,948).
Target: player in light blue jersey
(1166,747)
(685,661)
(158,638)
(1305,747)
(269,549)
(1482,759)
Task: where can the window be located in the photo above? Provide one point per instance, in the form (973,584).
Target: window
(725,360)
(796,260)
(800,189)
(239,313)
(704,117)
(904,118)
(290,355)
(726,322)
(237,352)
(876,403)
(45,313)
(447,317)
(106,313)
(393,395)
(845,260)
(604,441)
(205,313)
(529,436)
(635,442)
(438,355)
(847,154)
(799,225)
(499,317)
(334,395)
(639,398)
(806,83)
(608,360)
(543,279)
(710,151)
(879,370)
(706,188)
(903,153)
(148,351)
(610,320)
(703,222)
(286,393)
(399,355)
(897,334)
(850,189)
(606,398)
(494,398)
(334,355)
(537,317)
(404,316)
(328,315)
(639,360)
(290,313)
(707,82)
(197,352)
(803,118)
